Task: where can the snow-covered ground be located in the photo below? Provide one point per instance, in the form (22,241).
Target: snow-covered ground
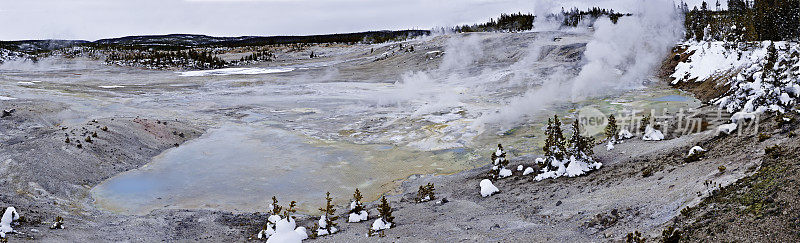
(234,71)
(759,80)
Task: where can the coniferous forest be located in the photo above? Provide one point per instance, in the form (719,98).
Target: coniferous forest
(744,20)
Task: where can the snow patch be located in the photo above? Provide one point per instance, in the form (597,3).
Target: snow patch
(696,149)
(624,134)
(742,116)
(285,232)
(570,167)
(234,71)
(527,171)
(323,227)
(727,128)
(379,224)
(652,134)
(5,223)
(504,173)
(487,189)
(357,217)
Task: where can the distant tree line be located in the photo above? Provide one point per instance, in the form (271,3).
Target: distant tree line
(258,56)
(166,59)
(524,21)
(507,22)
(349,38)
(574,16)
(744,20)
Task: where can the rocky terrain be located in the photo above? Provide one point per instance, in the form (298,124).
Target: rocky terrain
(54,150)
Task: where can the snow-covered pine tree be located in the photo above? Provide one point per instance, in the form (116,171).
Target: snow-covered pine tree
(771,75)
(58,223)
(425,193)
(272,220)
(555,144)
(282,228)
(326,221)
(644,123)
(577,159)
(357,211)
(580,146)
(499,163)
(274,207)
(769,65)
(612,129)
(385,219)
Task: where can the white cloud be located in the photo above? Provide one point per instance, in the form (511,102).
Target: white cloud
(95,19)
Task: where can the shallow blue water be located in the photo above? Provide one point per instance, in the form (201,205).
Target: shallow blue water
(234,167)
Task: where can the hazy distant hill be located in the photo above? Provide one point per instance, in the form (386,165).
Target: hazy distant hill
(180,41)
(32,46)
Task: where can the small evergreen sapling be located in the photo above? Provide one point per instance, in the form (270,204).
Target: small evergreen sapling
(58,224)
(612,129)
(291,210)
(425,193)
(272,220)
(274,207)
(385,219)
(326,221)
(580,146)
(372,232)
(554,144)
(635,237)
(499,164)
(357,211)
(644,123)
(285,229)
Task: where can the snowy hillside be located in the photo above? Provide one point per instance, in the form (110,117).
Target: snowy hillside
(6,55)
(762,76)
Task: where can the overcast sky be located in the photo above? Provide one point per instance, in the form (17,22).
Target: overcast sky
(97,19)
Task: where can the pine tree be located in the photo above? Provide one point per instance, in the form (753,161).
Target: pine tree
(357,206)
(288,212)
(269,227)
(499,161)
(58,223)
(425,193)
(612,129)
(328,212)
(644,123)
(580,146)
(275,208)
(769,67)
(554,145)
(385,212)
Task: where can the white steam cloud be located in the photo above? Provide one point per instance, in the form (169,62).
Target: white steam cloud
(619,57)
(623,55)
